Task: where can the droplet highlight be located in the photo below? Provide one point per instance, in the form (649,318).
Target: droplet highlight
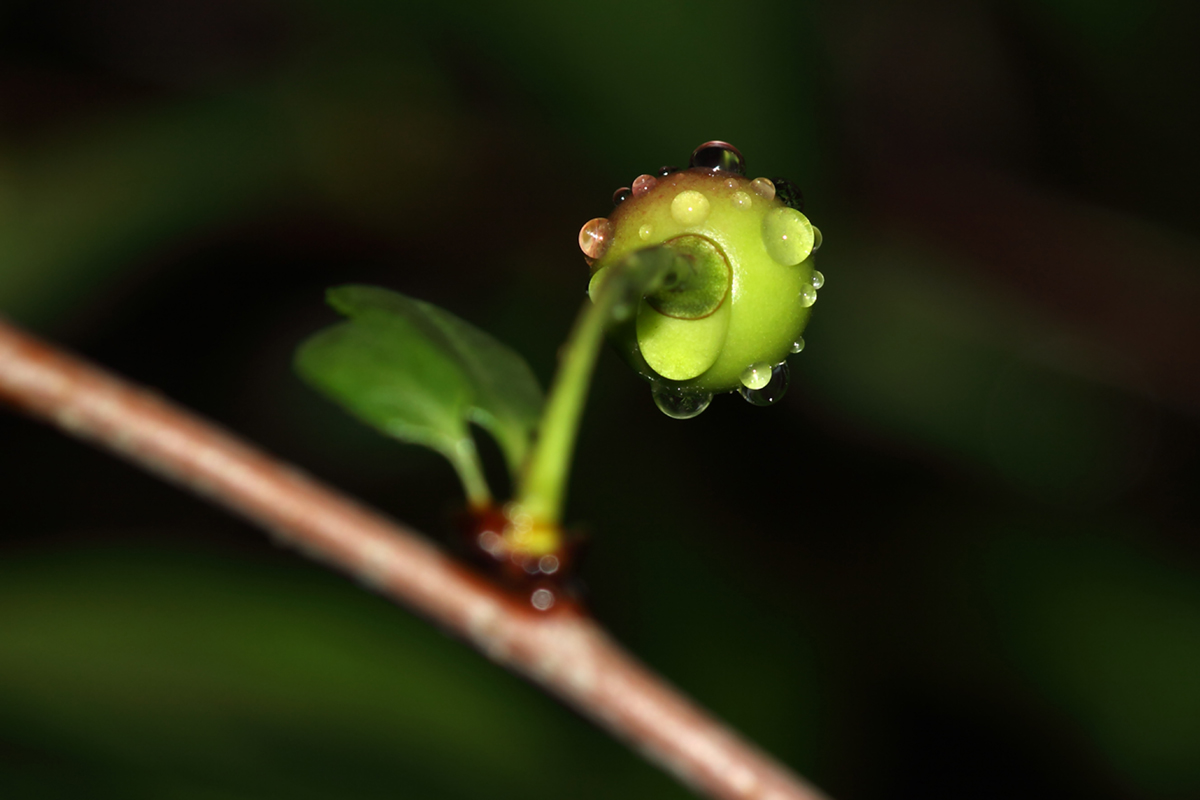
(645,232)
(816,239)
(741,200)
(621,195)
(808,295)
(720,156)
(542,599)
(756,376)
(690,208)
(665,171)
(798,345)
(774,390)
(595,237)
(643,184)
(787,235)
(818,279)
(763,188)
(680,404)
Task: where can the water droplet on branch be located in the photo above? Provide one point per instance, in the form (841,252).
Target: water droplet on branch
(595,237)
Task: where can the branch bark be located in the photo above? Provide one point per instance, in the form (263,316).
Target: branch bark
(564,651)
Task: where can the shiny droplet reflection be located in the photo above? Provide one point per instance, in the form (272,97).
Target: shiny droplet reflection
(645,232)
(690,207)
(643,184)
(621,195)
(721,156)
(808,295)
(770,394)
(756,376)
(763,188)
(789,193)
(595,237)
(679,404)
(816,238)
(798,345)
(787,236)
(742,200)
(665,171)
(818,279)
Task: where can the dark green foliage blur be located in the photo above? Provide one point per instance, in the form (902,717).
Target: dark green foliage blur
(959,559)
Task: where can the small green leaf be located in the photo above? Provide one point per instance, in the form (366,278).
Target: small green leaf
(421,374)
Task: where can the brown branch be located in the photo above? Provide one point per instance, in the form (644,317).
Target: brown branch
(565,652)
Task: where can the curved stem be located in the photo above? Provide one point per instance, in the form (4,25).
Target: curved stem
(563,651)
(543,485)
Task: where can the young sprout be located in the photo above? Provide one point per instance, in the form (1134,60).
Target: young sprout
(736,308)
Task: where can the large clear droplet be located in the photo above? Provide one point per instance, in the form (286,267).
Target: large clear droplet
(680,404)
(789,193)
(595,237)
(772,392)
(798,345)
(818,279)
(621,195)
(808,295)
(690,208)
(721,156)
(787,235)
(756,376)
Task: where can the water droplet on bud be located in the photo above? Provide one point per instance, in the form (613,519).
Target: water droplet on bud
(665,171)
(621,195)
(756,376)
(789,193)
(644,232)
(769,394)
(690,207)
(595,237)
(808,295)
(798,345)
(643,184)
(721,156)
(816,239)
(742,200)
(763,188)
(787,235)
(818,280)
(680,404)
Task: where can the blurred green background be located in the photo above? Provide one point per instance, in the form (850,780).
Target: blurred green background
(959,559)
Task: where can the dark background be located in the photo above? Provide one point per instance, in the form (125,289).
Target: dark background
(959,559)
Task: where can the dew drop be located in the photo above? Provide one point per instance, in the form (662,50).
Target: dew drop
(621,195)
(742,200)
(771,393)
(665,171)
(644,232)
(721,156)
(690,208)
(756,376)
(787,235)
(816,239)
(808,295)
(595,237)
(643,184)
(763,188)
(818,280)
(680,404)
(798,345)
(789,193)
(731,184)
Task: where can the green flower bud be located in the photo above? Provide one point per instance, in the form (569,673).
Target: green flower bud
(730,316)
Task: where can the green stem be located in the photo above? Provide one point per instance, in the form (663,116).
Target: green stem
(465,460)
(543,485)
